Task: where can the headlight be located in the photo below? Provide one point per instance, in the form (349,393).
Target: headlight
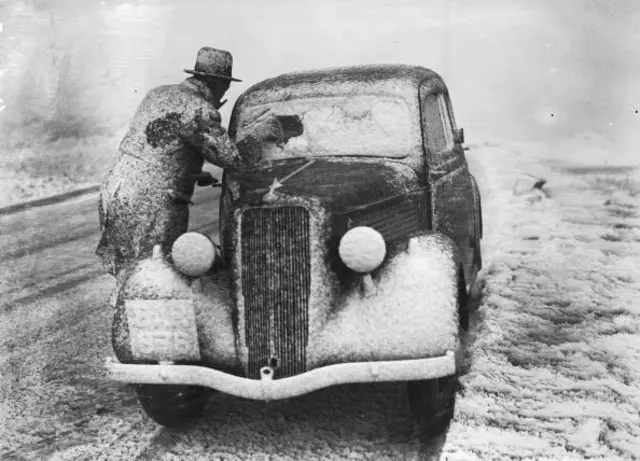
(193,254)
(362,249)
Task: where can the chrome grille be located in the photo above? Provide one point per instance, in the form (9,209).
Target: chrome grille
(276,281)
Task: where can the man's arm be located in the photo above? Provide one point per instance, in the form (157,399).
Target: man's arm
(204,133)
(208,136)
(218,148)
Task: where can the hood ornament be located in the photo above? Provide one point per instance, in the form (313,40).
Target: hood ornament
(272,196)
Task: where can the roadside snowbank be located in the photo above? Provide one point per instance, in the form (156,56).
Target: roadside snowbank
(40,170)
(34,168)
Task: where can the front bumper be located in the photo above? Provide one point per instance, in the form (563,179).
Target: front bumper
(269,389)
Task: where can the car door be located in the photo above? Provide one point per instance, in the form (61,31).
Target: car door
(452,195)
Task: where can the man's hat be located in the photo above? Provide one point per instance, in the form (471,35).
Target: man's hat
(213,63)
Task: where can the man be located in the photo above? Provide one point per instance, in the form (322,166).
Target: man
(145,197)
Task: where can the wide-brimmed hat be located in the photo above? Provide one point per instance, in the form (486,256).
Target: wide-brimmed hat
(213,63)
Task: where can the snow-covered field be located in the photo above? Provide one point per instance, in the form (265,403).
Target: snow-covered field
(554,356)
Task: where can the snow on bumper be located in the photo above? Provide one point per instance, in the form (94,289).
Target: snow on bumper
(268,388)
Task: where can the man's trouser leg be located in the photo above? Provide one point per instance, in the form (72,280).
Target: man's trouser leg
(113,298)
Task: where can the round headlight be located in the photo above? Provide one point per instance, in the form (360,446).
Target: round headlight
(193,254)
(362,249)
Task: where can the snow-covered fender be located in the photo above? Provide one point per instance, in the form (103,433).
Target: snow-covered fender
(409,311)
(164,315)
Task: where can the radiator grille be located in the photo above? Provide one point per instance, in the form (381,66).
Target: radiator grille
(275,284)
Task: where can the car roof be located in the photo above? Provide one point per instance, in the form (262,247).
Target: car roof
(381,75)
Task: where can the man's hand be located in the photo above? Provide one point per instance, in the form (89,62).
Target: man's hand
(265,127)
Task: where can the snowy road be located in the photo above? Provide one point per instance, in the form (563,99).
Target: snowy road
(551,372)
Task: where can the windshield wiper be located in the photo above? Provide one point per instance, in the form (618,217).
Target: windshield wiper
(271,195)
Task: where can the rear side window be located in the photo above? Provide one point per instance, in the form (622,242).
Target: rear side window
(439,132)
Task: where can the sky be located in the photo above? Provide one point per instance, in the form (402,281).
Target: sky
(533,70)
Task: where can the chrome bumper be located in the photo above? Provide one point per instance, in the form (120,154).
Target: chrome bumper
(268,388)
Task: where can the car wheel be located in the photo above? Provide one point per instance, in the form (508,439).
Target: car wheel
(172,406)
(463,303)
(478,255)
(432,404)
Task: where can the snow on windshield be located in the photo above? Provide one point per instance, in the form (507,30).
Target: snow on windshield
(355,125)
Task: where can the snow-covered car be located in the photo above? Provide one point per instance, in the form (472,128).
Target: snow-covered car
(347,254)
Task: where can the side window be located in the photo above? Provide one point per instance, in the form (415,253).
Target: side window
(439,131)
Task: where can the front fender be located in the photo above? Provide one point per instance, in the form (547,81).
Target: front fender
(202,306)
(151,279)
(410,311)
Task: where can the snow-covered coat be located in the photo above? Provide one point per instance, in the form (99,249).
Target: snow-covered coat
(144,199)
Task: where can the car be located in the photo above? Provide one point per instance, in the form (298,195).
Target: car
(347,254)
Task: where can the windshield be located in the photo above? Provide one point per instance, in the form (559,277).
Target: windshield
(331,126)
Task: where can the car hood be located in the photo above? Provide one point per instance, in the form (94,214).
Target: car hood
(340,185)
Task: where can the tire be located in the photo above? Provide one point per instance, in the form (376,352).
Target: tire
(432,404)
(172,406)
(478,255)
(478,208)
(463,302)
